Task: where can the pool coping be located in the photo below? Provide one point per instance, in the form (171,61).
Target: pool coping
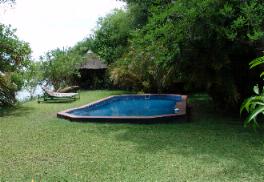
(181,105)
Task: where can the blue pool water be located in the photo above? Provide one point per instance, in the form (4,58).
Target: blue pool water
(131,106)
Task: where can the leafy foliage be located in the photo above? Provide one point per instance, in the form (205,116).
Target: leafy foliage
(111,37)
(254,105)
(208,44)
(33,76)
(81,48)
(7,88)
(14,53)
(60,66)
(138,71)
(14,58)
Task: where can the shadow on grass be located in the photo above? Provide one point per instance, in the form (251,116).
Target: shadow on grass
(205,142)
(16,111)
(206,127)
(209,138)
(56,101)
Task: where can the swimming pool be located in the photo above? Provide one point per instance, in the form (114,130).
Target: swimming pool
(130,108)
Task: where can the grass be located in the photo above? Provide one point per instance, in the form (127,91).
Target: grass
(212,147)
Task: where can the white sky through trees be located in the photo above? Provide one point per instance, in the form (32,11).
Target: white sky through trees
(49,24)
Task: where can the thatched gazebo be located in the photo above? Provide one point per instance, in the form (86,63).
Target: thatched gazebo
(93,73)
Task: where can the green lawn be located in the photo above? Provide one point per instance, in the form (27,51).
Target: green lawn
(34,143)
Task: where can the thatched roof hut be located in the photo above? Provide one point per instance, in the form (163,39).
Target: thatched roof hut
(93,64)
(93,73)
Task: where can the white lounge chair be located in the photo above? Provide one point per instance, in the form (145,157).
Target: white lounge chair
(50,95)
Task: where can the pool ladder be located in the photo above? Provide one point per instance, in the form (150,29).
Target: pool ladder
(147,97)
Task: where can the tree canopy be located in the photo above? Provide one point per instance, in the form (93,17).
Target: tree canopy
(60,66)
(14,59)
(158,46)
(205,44)
(111,37)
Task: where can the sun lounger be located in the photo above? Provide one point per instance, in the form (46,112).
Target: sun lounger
(50,95)
(72,89)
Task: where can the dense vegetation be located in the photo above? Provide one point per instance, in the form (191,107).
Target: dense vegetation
(14,60)
(205,44)
(60,66)
(254,105)
(162,46)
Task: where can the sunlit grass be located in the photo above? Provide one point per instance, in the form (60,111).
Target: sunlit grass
(35,144)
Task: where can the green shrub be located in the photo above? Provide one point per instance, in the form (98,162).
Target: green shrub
(254,105)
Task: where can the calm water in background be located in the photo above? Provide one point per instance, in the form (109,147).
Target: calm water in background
(24,95)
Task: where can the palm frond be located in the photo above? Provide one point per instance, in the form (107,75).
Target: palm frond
(256,62)
(259,100)
(253,115)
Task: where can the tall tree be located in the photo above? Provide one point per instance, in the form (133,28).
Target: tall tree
(110,39)
(209,42)
(60,66)
(14,58)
